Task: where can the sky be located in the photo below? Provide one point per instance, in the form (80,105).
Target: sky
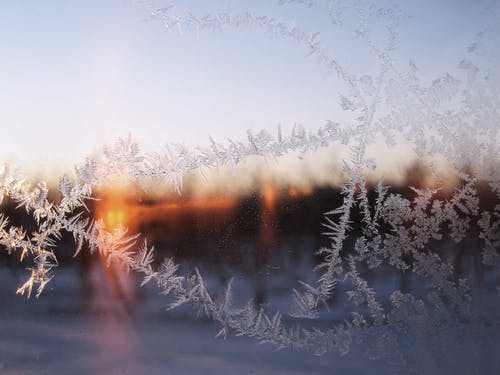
(75,75)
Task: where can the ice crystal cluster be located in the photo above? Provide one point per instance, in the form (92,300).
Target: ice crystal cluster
(455,118)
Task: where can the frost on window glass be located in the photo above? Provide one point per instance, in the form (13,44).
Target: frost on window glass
(401,270)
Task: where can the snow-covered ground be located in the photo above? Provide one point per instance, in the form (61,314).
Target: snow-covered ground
(59,334)
(79,326)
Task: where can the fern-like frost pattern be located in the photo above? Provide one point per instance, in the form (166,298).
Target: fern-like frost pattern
(394,231)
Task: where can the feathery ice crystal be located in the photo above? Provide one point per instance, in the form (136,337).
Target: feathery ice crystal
(456,118)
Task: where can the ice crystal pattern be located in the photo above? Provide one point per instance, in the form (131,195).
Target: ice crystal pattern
(455,117)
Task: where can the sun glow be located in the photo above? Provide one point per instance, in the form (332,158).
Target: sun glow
(112,208)
(116,291)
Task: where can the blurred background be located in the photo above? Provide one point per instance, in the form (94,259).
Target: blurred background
(76,75)
(96,319)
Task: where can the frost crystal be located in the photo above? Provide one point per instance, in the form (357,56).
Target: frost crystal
(454,117)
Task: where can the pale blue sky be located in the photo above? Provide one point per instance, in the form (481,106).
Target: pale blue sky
(75,75)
